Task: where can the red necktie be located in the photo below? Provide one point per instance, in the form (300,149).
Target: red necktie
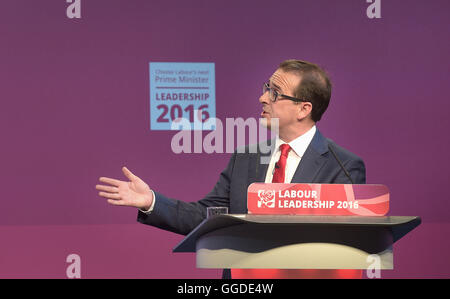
(278,177)
(280,166)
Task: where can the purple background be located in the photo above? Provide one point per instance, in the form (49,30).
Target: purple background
(75,106)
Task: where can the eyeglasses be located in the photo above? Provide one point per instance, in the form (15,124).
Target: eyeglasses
(273,94)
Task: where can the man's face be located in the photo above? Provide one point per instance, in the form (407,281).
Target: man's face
(285,110)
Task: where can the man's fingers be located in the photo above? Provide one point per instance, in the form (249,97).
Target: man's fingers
(109,195)
(107,188)
(116,202)
(128,173)
(110,181)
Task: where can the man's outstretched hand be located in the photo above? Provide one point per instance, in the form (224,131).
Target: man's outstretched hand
(135,193)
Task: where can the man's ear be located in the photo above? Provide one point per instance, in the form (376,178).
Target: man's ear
(304,110)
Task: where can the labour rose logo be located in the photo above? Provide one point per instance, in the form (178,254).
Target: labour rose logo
(266,198)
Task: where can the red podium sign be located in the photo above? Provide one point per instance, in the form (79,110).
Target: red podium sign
(318,199)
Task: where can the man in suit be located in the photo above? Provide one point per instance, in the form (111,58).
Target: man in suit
(297,95)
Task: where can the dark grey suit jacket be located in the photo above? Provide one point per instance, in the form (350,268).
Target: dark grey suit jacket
(318,165)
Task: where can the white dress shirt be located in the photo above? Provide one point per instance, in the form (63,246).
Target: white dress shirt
(298,148)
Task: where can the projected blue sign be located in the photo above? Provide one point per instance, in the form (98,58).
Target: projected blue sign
(181,90)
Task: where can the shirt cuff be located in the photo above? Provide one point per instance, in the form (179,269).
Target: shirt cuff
(152,206)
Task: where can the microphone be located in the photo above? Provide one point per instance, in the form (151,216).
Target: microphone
(276,167)
(340,164)
(257,164)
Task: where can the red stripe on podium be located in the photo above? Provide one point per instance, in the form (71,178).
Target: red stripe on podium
(296,274)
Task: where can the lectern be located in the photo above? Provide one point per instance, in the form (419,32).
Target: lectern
(246,241)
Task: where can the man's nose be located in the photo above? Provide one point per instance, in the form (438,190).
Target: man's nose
(264,98)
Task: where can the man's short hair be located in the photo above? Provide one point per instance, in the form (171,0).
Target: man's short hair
(315,85)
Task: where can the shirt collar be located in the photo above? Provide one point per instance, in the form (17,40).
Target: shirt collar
(299,144)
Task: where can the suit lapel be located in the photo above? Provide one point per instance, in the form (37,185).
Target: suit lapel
(312,161)
(261,175)
(258,164)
